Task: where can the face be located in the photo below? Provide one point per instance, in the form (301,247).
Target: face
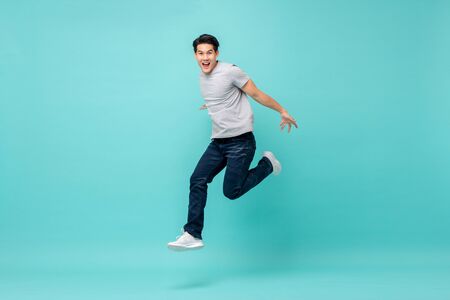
(206,57)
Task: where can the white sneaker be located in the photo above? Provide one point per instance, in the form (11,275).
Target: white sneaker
(275,163)
(186,242)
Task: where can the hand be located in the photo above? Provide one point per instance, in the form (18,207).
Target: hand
(203,107)
(286,119)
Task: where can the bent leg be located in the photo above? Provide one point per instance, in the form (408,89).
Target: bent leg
(238,178)
(209,165)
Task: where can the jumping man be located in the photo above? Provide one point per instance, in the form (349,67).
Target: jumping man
(225,87)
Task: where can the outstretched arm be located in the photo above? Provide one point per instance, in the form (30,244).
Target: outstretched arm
(250,89)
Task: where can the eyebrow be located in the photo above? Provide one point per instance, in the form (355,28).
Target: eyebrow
(206,51)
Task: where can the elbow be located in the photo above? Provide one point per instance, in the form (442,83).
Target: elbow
(256,96)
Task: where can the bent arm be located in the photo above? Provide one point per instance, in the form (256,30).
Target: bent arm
(250,89)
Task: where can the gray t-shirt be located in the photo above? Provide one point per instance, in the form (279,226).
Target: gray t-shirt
(227,104)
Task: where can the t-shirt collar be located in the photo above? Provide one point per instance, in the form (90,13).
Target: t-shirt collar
(215,69)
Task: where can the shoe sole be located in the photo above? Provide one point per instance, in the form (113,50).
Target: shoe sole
(184,248)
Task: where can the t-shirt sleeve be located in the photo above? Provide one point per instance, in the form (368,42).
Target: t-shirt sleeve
(238,77)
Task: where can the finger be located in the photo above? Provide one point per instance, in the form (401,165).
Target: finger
(289,129)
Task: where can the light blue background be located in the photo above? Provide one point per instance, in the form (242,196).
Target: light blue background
(100,131)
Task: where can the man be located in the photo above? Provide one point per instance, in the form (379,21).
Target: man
(224,87)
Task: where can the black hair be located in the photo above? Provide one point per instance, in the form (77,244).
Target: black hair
(206,39)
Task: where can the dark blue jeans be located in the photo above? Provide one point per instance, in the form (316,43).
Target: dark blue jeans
(234,153)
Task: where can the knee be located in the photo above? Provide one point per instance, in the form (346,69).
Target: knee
(231,194)
(197,180)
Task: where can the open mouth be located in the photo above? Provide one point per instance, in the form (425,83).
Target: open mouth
(206,64)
